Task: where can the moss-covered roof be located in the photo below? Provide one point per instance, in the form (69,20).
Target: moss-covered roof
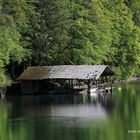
(65,72)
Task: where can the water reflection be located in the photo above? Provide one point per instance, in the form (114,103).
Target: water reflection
(76,106)
(72,117)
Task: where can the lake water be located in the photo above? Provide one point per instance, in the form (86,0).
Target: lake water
(73,117)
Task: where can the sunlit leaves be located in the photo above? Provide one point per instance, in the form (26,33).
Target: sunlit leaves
(14,38)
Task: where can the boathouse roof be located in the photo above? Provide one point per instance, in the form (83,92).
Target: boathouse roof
(81,72)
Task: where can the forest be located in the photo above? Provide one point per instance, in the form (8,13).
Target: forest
(58,32)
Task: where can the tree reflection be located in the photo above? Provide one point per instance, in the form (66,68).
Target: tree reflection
(63,117)
(10,129)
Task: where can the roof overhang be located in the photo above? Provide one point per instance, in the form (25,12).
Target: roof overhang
(81,72)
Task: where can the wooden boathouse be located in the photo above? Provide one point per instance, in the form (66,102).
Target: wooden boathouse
(36,78)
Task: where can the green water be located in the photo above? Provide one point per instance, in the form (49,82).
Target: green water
(73,117)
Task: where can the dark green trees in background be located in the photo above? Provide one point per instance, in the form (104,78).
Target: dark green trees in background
(134,5)
(52,38)
(126,37)
(15,27)
(10,45)
(46,32)
(88,44)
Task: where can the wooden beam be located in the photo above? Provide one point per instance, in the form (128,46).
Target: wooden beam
(89,85)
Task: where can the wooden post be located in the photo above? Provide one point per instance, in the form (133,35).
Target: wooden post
(89,85)
(69,84)
(111,88)
(72,83)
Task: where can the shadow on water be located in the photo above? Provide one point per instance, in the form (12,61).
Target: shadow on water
(72,117)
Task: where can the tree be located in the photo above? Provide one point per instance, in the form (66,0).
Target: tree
(14,24)
(125,35)
(90,43)
(134,5)
(52,37)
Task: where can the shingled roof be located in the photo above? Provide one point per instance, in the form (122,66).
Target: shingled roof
(81,72)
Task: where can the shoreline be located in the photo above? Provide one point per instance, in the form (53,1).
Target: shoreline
(133,79)
(128,80)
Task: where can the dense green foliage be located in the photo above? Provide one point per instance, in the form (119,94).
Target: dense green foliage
(14,25)
(46,32)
